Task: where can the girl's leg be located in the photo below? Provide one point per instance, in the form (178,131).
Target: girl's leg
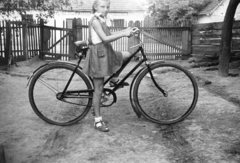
(98,89)
(125,56)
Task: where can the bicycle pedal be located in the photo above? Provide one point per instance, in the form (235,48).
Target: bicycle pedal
(121,86)
(113,84)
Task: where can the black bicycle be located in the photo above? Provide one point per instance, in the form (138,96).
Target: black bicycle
(164,93)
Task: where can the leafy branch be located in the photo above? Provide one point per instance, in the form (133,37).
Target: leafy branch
(176,9)
(45,9)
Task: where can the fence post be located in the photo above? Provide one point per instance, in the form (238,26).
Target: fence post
(72,38)
(41,38)
(187,38)
(25,38)
(79,29)
(8,42)
(186,42)
(45,35)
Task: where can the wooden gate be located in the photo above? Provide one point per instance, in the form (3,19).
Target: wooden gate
(166,39)
(58,43)
(55,42)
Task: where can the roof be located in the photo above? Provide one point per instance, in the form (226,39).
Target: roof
(210,7)
(116,5)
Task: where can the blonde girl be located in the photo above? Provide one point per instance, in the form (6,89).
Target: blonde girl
(102,60)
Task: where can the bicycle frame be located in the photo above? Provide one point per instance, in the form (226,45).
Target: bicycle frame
(118,85)
(125,63)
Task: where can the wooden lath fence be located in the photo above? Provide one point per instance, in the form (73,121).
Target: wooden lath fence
(19,40)
(163,40)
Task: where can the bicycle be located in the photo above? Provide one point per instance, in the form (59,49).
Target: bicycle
(164,93)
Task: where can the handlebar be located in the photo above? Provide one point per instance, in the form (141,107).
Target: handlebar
(136,35)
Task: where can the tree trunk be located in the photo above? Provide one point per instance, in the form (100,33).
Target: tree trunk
(227,38)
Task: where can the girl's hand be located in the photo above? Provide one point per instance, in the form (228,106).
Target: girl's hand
(130,31)
(135,30)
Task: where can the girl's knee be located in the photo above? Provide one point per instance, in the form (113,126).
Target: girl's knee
(126,55)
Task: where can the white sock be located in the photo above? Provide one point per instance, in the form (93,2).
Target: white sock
(97,119)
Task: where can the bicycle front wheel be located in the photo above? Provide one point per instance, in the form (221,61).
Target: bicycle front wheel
(180,98)
(45,92)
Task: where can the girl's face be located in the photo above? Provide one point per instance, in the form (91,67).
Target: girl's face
(103,7)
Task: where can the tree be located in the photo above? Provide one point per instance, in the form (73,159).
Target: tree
(226,38)
(46,9)
(175,9)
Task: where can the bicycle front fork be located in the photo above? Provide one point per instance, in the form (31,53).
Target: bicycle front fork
(155,83)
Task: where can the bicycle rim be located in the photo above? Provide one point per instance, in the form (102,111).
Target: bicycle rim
(180,86)
(47,84)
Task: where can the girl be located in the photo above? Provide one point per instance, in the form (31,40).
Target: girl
(101,59)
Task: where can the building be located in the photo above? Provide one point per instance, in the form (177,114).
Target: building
(215,12)
(120,11)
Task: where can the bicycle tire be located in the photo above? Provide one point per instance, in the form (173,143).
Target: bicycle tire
(182,91)
(44,101)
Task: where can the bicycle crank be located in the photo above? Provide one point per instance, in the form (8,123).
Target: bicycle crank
(108,97)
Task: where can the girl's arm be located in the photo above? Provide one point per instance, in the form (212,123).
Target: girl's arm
(121,31)
(98,28)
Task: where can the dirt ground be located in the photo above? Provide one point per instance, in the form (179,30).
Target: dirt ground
(211,134)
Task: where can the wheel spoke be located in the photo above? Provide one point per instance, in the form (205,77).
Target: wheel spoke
(48,85)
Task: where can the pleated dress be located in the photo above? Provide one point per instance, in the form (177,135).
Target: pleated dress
(101,59)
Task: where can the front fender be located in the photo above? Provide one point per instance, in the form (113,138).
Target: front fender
(135,109)
(156,62)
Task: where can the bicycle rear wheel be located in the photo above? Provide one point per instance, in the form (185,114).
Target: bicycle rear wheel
(181,88)
(46,87)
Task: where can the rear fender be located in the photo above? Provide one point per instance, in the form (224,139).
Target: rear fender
(29,78)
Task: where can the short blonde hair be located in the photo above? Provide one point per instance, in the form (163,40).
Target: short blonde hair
(95,3)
